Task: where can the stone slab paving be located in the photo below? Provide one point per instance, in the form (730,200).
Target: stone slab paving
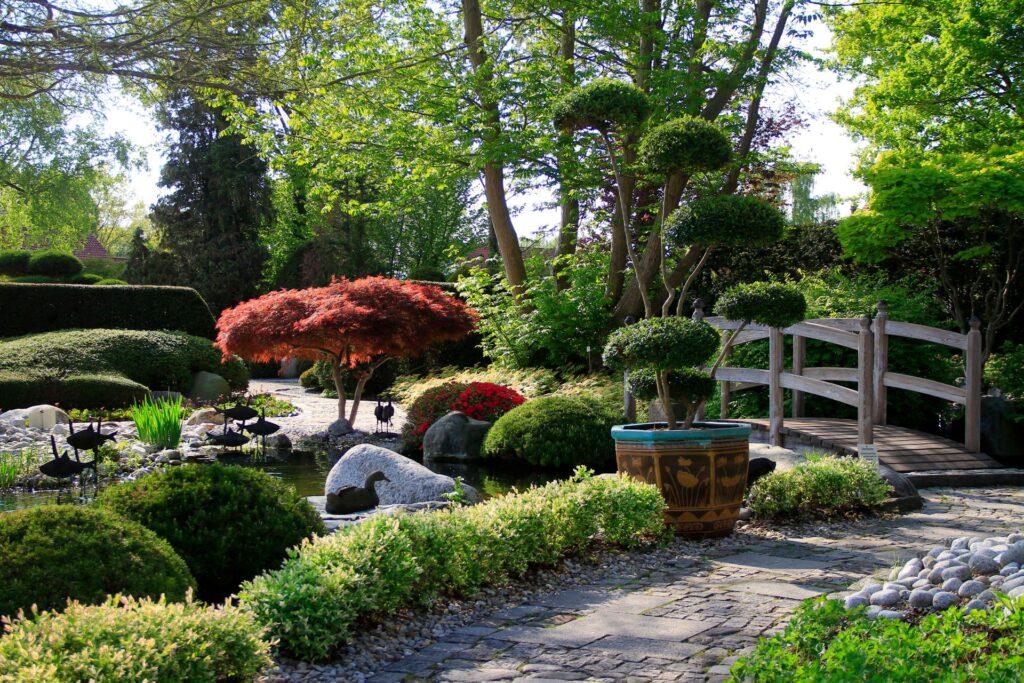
(692,618)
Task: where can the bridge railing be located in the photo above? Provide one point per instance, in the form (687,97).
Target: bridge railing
(872,377)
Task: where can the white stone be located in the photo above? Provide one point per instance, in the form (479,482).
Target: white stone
(44,417)
(410,482)
(205,416)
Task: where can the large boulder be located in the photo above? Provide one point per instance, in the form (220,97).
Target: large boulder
(44,417)
(456,436)
(409,482)
(205,416)
(208,386)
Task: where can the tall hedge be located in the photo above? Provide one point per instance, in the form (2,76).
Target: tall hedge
(34,308)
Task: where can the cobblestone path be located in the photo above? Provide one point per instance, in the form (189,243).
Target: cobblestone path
(691,618)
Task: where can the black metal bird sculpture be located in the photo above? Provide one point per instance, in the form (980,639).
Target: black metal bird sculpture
(389,412)
(378,413)
(62,466)
(90,438)
(262,428)
(229,438)
(238,412)
(349,499)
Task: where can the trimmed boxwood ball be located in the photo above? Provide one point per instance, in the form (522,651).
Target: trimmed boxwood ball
(767,303)
(687,385)
(685,144)
(86,279)
(14,262)
(55,552)
(111,281)
(667,343)
(555,431)
(229,523)
(731,220)
(602,105)
(54,263)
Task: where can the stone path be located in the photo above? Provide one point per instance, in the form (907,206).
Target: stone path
(690,618)
(317,412)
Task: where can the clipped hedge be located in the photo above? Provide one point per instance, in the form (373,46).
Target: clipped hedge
(53,263)
(105,368)
(822,486)
(33,308)
(229,523)
(134,640)
(825,642)
(312,603)
(55,552)
(14,262)
(555,431)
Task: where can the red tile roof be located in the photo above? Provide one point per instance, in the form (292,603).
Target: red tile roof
(92,249)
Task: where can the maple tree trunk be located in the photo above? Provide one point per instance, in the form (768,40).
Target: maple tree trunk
(339,385)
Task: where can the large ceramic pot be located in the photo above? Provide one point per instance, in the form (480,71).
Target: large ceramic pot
(701,472)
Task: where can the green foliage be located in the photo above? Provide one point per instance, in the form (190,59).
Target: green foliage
(107,281)
(367,571)
(38,280)
(125,639)
(56,552)
(556,326)
(530,382)
(825,642)
(687,386)
(728,220)
(765,303)
(18,464)
(14,262)
(603,104)
(555,431)
(97,368)
(1005,370)
(671,343)
(228,523)
(820,487)
(686,144)
(433,403)
(53,263)
(30,309)
(87,279)
(158,423)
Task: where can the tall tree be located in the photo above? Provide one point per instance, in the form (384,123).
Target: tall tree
(219,200)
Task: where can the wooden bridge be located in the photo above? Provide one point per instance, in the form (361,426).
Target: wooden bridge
(902,449)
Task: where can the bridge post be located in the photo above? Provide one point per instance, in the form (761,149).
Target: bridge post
(799,358)
(776,349)
(865,375)
(974,367)
(881,363)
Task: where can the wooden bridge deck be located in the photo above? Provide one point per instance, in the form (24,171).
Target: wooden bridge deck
(902,449)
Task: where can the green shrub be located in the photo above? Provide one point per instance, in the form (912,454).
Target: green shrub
(825,642)
(228,523)
(86,279)
(313,602)
(55,552)
(731,220)
(822,486)
(111,281)
(530,382)
(432,404)
(602,104)
(38,279)
(14,262)
(159,422)
(35,308)
(134,640)
(685,144)
(54,263)
(106,368)
(1005,370)
(767,303)
(555,431)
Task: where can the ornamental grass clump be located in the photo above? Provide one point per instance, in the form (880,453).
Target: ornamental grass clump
(312,604)
(821,487)
(125,639)
(159,422)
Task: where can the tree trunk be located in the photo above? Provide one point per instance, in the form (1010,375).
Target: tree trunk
(569,226)
(339,385)
(493,170)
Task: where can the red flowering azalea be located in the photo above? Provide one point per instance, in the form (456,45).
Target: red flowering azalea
(479,400)
(487,401)
(354,324)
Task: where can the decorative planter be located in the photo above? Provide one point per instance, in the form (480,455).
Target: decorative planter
(701,472)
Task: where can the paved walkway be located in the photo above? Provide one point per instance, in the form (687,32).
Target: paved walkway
(317,412)
(691,617)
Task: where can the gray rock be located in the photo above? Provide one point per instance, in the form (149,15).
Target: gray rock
(873,611)
(339,427)
(891,614)
(455,436)
(921,583)
(855,601)
(204,416)
(1009,569)
(974,605)
(935,575)
(885,598)
(871,588)
(1016,592)
(208,386)
(970,588)
(1010,584)
(959,572)
(279,442)
(982,564)
(985,596)
(943,600)
(911,568)
(959,543)
(409,482)
(952,585)
(921,599)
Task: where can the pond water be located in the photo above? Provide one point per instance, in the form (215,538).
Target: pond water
(306,472)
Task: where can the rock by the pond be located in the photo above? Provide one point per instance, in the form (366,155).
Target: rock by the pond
(203,416)
(208,386)
(43,417)
(455,436)
(409,482)
(340,427)
(279,442)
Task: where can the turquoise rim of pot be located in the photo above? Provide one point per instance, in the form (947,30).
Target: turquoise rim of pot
(703,431)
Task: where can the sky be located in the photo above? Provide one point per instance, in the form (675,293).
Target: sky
(817,94)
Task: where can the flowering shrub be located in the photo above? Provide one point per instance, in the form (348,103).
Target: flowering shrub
(487,401)
(478,400)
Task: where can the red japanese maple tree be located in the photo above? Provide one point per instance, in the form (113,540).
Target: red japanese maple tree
(356,325)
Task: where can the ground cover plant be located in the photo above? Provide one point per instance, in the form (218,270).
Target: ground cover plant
(158,422)
(228,523)
(55,552)
(312,603)
(823,486)
(824,642)
(125,639)
(267,404)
